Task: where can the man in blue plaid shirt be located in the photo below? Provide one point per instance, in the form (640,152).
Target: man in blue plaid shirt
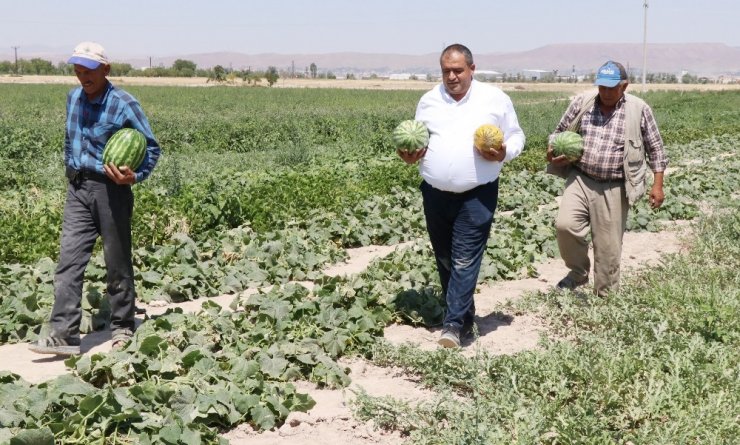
(99,202)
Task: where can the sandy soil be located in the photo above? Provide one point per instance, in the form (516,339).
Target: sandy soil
(372,84)
(330,422)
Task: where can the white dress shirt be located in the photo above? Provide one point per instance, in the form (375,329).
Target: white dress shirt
(452,162)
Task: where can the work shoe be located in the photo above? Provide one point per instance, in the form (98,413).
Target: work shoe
(569,283)
(120,338)
(56,345)
(469,326)
(450,338)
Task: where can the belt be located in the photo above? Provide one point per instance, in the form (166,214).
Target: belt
(604,181)
(461,194)
(77,176)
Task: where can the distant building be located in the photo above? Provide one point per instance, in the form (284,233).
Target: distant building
(535,74)
(488,75)
(407,76)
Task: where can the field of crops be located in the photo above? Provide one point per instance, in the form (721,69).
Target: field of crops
(261,187)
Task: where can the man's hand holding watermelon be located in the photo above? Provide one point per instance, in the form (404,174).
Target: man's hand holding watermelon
(121,176)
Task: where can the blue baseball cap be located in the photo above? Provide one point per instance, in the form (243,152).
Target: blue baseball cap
(610,74)
(89,54)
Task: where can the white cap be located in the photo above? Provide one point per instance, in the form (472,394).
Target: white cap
(89,54)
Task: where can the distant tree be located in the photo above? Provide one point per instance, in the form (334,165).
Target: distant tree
(64,68)
(250,77)
(41,66)
(313,70)
(271,75)
(688,78)
(6,67)
(218,74)
(181,64)
(120,69)
(184,68)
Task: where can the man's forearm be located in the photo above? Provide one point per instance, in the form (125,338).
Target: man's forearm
(658,179)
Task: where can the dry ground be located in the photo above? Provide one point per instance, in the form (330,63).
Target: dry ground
(371,84)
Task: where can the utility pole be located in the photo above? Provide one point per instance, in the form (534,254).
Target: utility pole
(15,48)
(644,46)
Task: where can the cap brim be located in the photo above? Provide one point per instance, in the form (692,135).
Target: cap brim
(87,63)
(609,83)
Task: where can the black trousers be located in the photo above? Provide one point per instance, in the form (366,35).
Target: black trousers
(459,225)
(95,206)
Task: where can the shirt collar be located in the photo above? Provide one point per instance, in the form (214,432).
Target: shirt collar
(449,99)
(616,106)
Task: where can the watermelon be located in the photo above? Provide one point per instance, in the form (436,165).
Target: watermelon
(488,137)
(567,143)
(411,135)
(126,147)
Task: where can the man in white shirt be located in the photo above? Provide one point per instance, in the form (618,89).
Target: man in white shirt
(460,183)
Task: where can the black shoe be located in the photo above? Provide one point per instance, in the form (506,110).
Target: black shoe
(467,329)
(569,283)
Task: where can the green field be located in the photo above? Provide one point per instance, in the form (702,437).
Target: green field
(262,186)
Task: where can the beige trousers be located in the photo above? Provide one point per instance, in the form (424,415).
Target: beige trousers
(603,206)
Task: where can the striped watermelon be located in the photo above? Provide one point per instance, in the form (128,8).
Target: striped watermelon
(126,147)
(569,144)
(411,135)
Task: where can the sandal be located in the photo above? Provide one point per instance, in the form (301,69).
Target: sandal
(120,338)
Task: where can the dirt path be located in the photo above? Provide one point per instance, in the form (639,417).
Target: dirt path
(330,422)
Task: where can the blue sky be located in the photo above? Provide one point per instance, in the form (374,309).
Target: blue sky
(136,28)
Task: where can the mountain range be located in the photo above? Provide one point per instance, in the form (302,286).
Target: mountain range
(703,59)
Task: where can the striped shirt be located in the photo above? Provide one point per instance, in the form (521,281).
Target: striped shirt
(91,123)
(603,140)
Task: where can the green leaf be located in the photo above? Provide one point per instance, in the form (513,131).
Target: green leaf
(42,436)
(90,403)
(263,417)
(273,366)
(152,345)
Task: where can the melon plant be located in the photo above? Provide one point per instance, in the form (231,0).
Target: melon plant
(411,135)
(488,137)
(567,143)
(126,147)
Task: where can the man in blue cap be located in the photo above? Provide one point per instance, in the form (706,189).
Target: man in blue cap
(620,140)
(99,202)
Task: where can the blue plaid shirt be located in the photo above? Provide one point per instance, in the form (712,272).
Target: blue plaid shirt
(91,123)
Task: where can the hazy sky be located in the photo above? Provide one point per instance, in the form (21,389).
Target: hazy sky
(177,27)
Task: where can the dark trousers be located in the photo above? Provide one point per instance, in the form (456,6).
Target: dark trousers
(459,225)
(94,207)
